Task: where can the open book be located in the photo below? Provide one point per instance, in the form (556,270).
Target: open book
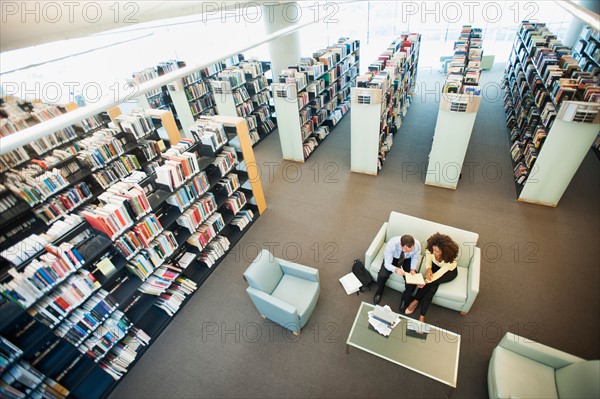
(417,278)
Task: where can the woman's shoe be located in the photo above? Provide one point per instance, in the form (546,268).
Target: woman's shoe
(411,308)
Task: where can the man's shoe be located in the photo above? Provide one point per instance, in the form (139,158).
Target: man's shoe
(377,299)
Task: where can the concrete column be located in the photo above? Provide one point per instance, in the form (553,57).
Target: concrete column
(284,51)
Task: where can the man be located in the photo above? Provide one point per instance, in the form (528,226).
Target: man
(401,256)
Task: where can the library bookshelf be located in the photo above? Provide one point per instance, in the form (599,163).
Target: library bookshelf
(459,104)
(82,302)
(552,113)
(313,96)
(380,102)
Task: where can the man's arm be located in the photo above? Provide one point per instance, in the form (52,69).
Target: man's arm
(416,256)
(388,255)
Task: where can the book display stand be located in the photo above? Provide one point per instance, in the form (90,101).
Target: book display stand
(85,295)
(458,109)
(552,113)
(380,101)
(313,96)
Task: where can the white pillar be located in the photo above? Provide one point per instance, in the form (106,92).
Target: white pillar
(575,28)
(284,51)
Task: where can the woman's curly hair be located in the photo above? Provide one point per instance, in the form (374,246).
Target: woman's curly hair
(446,244)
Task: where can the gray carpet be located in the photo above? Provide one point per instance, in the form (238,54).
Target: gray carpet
(539,277)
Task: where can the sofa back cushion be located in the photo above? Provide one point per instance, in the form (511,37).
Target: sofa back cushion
(579,380)
(264,273)
(421,229)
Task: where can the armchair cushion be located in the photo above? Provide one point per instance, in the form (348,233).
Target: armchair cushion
(264,273)
(579,380)
(300,293)
(517,376)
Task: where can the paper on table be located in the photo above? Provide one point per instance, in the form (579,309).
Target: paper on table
(416,278)
(350,283)
(106,266)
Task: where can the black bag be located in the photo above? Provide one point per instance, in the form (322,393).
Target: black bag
(359,270)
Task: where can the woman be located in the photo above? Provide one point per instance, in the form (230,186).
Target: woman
(441,256)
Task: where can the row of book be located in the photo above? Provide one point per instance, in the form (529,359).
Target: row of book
(171,300)
(190,192)
(42,274)
(160,280)
(84,320)
(53,140)
(233,75)
(105,337)
(53,307)
(140,236)
(111,219)
(64,203)
(197,90)
(135,123)
(464,69)
(209,133)
(100,148)
(22,380)
(32,245)
(163,246)
(198,212)
(117,361)
(35,190)
(178,168)
(117,170)
(207,231)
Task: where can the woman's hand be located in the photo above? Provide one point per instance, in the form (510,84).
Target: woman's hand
(421,285)
(428,275)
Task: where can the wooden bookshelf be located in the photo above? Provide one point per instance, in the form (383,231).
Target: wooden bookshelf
(128,297)
(380,102)
(551,106)
(312,97)
(459,104)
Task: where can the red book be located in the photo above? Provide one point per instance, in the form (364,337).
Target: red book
(98,223)
(62,303)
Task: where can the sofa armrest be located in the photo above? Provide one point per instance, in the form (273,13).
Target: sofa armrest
(473,280)
(375,246)
(305,272)
(275,309)
(535,351)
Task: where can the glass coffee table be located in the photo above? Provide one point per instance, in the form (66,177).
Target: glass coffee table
(434,355)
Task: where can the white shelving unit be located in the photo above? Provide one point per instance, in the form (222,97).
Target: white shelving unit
(380,101)
(458,109)
(552,113)
(312,97)
(566,146)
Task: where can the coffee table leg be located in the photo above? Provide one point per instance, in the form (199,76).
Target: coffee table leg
(347,349)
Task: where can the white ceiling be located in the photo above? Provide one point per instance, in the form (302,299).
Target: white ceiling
(29,23)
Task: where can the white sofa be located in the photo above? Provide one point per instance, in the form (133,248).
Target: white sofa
(460,293)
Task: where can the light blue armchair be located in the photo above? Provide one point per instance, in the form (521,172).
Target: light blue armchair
(282,291)
(521,368)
